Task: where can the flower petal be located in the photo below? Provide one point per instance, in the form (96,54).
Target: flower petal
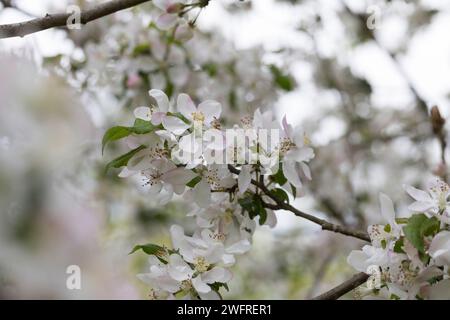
(185,105)
(211,110)
(417,194)
(387,209)
(200,286)
(290,172)
(175,125)
(166,21)
(161,99)
(244,179)
(143,113)
(217,274)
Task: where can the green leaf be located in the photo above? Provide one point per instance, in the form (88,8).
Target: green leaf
(260,210)
(142,127)
(194,182)
(116,133)
(419,226)
(279,176)
(398,246)
(149,248)
(254,206)
(284,81)
(123,159)
(143,48)
(113,134)
(281,194)
(294,190)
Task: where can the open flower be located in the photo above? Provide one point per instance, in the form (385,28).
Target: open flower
(158,114)
(197,277)
(159,174)
(296,153)
(435,202)
(169,17)
(440,248)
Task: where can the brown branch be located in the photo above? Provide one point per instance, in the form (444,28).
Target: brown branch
(281,205)
(61,19)
(343,288)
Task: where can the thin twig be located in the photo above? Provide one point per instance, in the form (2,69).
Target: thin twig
(343,288)
(281,205)
(60,19)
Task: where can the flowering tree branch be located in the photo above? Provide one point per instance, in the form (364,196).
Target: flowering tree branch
(60,19)
(281,205)
(343,288)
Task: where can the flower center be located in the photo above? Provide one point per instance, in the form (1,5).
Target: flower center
(186,285)
(286,145)
(200,264)
(198,116)
(151,177)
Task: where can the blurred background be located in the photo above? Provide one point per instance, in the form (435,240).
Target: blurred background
(360,76)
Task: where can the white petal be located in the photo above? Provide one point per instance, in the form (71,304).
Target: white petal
(271,219)
(416,194)
(211,110)
(200,286)
(178,176)
(175,125)
(290,172)
(178,269)
(190,143)
(202,194)
(125,173)
(420,206)
(244,179)
(185,105)
(212,295)
(239,247)
(387,209)
(162,4)
(306,170)
(217,274)
(166,21)
(358,260)
(161,98)
(143,113)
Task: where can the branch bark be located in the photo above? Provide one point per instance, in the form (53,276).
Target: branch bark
(22,29)
(343,288)
(285,206)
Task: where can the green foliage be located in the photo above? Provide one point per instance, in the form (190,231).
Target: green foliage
(119,132)
(418,227)
(149,248)
(284,81)
(141,49)
(279,176)
(253,204)
(280,194)
(123,159)
(194,182)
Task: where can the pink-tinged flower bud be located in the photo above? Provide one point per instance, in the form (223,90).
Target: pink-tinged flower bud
(133,80)
(174,8)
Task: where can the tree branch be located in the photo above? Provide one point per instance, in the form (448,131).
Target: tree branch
(60,19)
(343,288)
(285,206)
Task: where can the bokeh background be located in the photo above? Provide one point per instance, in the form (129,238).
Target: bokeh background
(362,95)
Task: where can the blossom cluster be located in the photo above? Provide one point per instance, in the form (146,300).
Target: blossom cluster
(409,257)
(228,205)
